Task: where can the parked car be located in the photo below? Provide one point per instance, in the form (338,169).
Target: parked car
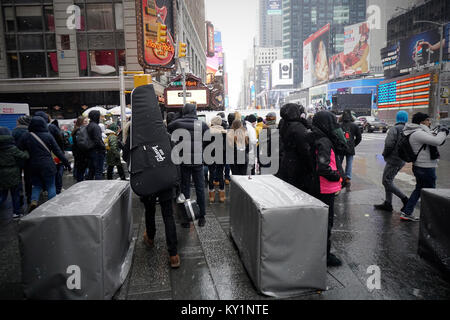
(360,125)
(371,124)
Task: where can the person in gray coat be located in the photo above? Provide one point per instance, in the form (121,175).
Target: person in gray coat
(424,143)
(393,164)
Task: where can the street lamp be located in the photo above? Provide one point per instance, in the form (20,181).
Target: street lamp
(441,48)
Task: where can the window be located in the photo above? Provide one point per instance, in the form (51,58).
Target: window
(100,38)
(30,40)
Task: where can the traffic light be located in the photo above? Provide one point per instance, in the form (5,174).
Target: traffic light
(182,50)
(162,33)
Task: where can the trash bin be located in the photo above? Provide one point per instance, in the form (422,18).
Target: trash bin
(281,235)
(434,235)
(78,245)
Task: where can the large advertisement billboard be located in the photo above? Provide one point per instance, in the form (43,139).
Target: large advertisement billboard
(356,56)
(282,73)
(274,7)
(210,39)
(152,52)
(216,62)
(315,57)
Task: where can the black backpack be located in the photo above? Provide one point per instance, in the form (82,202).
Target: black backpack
(84,143)
(405,151)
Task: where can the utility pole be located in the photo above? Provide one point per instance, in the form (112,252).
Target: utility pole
(122,97)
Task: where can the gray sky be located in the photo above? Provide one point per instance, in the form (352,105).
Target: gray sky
(237,20)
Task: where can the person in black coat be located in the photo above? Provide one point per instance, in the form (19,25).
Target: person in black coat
(192,160)
(42,165)
(353,136)
(98,151)
(55,131)
(296,165)
(18,132)
(81,158)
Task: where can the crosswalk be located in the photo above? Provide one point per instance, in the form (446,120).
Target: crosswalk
(374,136)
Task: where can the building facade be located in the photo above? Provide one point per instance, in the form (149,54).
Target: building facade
(301,18)
(270,20)
(52,53)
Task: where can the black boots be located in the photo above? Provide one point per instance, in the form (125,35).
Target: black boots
(384,207)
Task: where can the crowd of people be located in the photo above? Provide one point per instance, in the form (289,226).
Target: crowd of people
(310,153)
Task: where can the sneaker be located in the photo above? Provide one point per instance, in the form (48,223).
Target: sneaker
(409,217)
(33,205)
(17,216)
(175,262)
(148,242)
(333,261)
(384,207)
(201,222)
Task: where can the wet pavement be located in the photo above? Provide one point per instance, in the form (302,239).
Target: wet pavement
(212,270)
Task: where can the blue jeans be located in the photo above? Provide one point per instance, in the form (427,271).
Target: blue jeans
(348,165)
(426,178)
(40,183)
(15,196)
(227,172)
(216,174)
(59,177)
(197,172)
(96,165)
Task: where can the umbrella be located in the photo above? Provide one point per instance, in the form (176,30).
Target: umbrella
(103,111)
(117,111)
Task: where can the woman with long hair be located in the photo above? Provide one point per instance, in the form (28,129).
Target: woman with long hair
(238,141)
(80,158)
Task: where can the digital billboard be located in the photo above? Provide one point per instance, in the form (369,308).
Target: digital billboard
(274,7)
(315,57)
(282,72)
(152,52)
(356,56)
(410,92)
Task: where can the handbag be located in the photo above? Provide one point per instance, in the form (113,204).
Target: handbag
(188,208)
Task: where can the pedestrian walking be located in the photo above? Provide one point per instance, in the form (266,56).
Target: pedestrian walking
(17,133)
(238,141)
(296,164)
(10,171)
(113,155)
(97,153)
(194,167)
(216,169)
(57,134)
(393,163)
(165,199)
(250,125)
(42,148)
(326,168)
(81,157)
(353,137)
(424,144)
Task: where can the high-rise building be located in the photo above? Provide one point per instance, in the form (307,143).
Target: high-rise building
(301,18)
(45,63)
(270,19)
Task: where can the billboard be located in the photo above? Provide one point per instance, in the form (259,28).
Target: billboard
(408,93)
(274,7)
(282,72)
(315,57)
(356,56)
(199,96)
(216,62)
(210,39)
(154,54)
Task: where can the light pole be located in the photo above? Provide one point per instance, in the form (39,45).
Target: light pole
(441,50)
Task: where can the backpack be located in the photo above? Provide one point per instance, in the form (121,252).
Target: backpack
(67,138)
(84,143)
(405,151)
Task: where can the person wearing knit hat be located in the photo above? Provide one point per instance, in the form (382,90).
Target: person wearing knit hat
(393,164)
(425,145)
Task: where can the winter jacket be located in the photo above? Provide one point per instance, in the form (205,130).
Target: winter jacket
(113,154)
(189,122)
(252,142)
(10,173)
(95,132)
(268,133)
(352,133)
(218,133)
(41,161)
(422,135)
(323,140)
(18,132)
(296,165)
(390,152)
(79,155)
(54,130)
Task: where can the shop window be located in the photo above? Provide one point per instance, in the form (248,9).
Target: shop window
(100,16)
(8,13)
(13,63)
(33,64)
(31,42)
(29,18)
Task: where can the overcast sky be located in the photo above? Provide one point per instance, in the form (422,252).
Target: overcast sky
(237,20)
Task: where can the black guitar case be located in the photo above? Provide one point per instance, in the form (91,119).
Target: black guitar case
(152,169)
